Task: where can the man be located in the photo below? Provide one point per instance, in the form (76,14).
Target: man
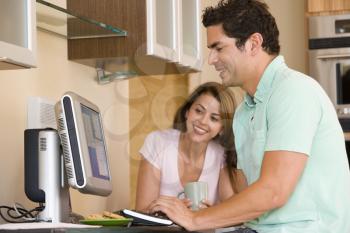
(289,143)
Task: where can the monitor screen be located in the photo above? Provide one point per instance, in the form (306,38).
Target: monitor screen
(95,143)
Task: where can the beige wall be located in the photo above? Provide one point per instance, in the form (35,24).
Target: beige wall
(55,75)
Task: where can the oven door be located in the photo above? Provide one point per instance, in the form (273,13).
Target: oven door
(331,68)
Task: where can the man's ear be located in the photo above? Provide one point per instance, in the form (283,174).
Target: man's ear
(256,41)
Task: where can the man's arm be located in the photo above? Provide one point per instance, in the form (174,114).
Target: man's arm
(280,173)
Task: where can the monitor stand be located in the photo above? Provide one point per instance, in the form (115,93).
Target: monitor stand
(51,178)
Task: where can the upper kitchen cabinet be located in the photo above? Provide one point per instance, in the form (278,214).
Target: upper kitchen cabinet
(17,34)
(163,36)
(162,29)
(190,33)
(324,7)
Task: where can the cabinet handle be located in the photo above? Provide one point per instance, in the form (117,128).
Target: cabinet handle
(333,56)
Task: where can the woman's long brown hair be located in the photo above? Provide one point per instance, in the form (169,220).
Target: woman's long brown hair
(227,107)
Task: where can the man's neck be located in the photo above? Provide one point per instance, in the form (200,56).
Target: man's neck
(259,68)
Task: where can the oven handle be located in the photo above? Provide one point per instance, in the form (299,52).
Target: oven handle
(333,56)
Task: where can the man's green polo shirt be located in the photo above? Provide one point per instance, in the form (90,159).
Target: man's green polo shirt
(291,112)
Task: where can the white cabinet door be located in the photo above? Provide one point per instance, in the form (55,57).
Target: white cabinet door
(173,31)
(17,34)
(162,29)
(190,34)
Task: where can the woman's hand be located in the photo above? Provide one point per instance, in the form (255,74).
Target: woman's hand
(187,202)
(204,204)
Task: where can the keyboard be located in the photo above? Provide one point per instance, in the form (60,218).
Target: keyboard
(156,219)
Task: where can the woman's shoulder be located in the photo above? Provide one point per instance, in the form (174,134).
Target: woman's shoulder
(158,144)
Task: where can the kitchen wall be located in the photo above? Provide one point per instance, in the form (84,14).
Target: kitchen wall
(55,75)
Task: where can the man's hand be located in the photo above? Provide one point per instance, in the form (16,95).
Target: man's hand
(175,209)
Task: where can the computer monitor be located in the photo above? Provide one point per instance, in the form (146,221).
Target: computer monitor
(75,153)
(84,149)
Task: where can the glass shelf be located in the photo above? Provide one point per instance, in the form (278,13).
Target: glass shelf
(56,19)
(53,18)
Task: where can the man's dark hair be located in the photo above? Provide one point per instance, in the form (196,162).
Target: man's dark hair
(241,18)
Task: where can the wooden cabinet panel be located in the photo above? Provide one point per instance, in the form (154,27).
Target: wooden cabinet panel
(315,6)
(146,49)
(129,15)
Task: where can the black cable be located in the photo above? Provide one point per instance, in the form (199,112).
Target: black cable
(23,213)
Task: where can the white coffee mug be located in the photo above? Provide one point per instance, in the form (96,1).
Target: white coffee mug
(196,192)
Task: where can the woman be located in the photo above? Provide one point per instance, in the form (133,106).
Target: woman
(200,147)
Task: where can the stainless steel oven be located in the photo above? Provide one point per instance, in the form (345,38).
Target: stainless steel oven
(329,59)
(329,63)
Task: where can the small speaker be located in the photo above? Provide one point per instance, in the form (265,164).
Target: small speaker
(31,166)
